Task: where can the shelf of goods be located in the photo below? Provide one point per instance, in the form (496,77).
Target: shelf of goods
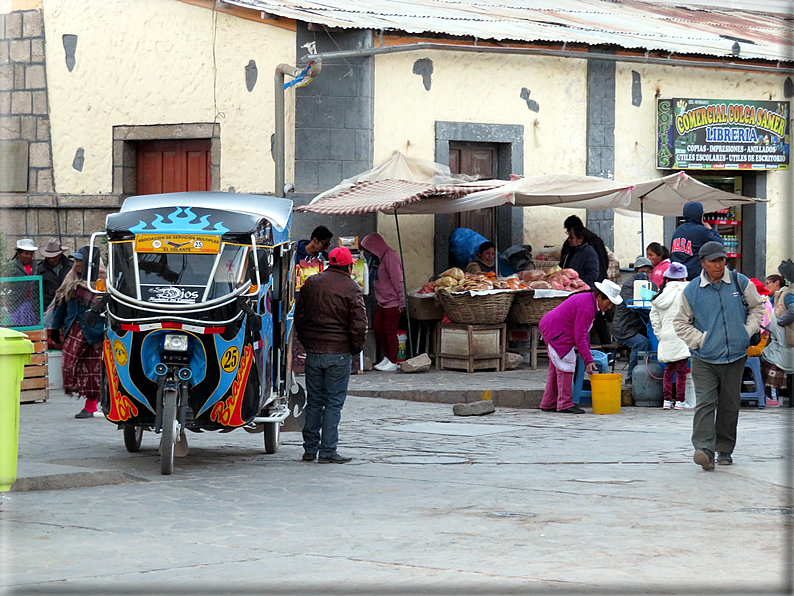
(728,224)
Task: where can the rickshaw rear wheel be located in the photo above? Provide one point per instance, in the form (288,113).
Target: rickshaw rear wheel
(132,438)
(272,436)
(169,436)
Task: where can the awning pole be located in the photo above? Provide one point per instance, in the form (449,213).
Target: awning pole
(642,227)
(405,288)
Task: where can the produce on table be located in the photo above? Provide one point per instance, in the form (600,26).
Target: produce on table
(566,280)
(455,280)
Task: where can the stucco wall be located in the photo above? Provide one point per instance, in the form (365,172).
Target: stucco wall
(488,89)
(151,62)
(635,135)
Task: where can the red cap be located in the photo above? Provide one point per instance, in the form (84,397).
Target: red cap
(759,285)
(340,256)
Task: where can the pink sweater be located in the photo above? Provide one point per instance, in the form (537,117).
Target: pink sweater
(568,325)
(389,290)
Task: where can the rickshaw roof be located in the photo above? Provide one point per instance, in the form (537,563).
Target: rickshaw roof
(252,207)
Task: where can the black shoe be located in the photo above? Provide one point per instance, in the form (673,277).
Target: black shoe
(724,459)
(84,414)
(704,458)
(549,409)
(334,458)
(307,456)
(572,410)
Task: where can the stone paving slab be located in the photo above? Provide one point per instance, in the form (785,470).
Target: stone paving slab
(562,504)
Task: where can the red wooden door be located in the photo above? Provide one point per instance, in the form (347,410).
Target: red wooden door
(173,166)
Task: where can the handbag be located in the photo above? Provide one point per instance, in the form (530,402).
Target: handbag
(756,338)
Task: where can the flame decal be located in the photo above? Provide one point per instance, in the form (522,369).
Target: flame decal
(180,222)
(227,412)
(121,408)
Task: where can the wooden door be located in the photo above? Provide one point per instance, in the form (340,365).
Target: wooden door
(173,166)
(475,159)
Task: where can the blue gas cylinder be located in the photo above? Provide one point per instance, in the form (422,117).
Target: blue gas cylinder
(646,381)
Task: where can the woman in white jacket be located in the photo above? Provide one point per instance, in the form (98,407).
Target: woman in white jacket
(672,350)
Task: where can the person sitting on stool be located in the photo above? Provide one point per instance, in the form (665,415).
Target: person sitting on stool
(628,327)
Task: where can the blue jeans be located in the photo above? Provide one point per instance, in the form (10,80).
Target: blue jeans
(637,343)
(327,376)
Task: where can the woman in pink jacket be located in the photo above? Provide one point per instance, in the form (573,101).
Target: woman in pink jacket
(564,327)
(387,276)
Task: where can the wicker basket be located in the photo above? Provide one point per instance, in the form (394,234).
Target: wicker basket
(527,309)
(465,309)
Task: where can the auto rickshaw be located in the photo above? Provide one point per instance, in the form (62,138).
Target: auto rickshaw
(198,306)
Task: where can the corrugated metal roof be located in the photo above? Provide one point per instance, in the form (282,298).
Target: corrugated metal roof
(631,24)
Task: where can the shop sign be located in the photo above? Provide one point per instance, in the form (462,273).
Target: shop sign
(696,134)
(178,243)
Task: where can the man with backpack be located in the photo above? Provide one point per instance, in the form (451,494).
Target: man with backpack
(720,311)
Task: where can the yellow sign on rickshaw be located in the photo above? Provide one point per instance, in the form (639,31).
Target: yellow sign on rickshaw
(178,243)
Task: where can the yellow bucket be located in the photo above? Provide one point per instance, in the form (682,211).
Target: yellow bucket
(605,390)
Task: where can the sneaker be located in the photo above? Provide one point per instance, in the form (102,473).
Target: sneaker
(84,414)
(682,405)
(724,459)
(334,458)
(388,367)
(549,409)
(704,458)
(307,456)
(381,363)
(572,410)
(667,404)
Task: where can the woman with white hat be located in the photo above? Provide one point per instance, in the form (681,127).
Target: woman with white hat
(568,326)
(23,263)
(672,350)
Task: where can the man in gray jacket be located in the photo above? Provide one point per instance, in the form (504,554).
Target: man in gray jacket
(720,311)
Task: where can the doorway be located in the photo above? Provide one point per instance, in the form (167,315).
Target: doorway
(482,160)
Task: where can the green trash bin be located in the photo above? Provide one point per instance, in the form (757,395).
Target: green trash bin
(15,351)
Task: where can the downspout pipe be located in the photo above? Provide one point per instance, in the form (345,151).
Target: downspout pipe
(278,145)
(427,46)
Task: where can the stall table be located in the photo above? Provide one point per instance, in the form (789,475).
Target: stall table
(471,347)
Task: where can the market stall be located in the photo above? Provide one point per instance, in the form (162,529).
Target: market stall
(405,185)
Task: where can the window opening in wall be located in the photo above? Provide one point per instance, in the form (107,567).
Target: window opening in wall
(727,222)
(173,166)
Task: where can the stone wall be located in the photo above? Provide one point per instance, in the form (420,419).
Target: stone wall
(31,206)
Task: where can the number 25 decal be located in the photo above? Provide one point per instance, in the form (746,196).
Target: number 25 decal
(230,359)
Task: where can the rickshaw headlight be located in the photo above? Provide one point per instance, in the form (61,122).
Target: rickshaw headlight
(175,342)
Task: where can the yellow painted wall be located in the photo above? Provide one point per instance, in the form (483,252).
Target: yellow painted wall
(482,88)
(635,152)
(151,62)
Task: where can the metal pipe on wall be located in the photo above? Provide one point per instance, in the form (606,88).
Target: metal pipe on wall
(426,46)
(278,144)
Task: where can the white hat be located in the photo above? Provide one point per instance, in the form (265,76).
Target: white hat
(611,289)
(26,244)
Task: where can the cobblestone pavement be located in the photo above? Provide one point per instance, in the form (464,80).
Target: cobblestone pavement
(520,501)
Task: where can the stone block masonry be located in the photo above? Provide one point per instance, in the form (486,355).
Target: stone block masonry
(31,207)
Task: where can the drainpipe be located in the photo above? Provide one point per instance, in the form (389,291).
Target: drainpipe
(286,69)
(646,59)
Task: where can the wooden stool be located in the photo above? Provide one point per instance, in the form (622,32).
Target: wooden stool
(471,346)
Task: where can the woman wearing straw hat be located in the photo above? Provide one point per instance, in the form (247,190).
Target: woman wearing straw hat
(53,268)
(23,263)
(564,327)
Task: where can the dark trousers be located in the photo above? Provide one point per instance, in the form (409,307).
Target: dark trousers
(385,328)
(327,376)
(718,389)
(677,370)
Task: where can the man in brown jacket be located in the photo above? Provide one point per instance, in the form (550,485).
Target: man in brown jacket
(331,323)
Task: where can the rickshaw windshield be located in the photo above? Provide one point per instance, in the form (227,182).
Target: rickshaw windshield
(178,278)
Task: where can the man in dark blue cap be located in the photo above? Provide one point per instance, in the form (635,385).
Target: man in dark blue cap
(720,311)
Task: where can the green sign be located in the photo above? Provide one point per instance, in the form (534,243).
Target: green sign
(696,134)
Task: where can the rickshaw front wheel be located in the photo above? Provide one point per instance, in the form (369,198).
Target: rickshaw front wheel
(170,435)
(272,436)
(132,438)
